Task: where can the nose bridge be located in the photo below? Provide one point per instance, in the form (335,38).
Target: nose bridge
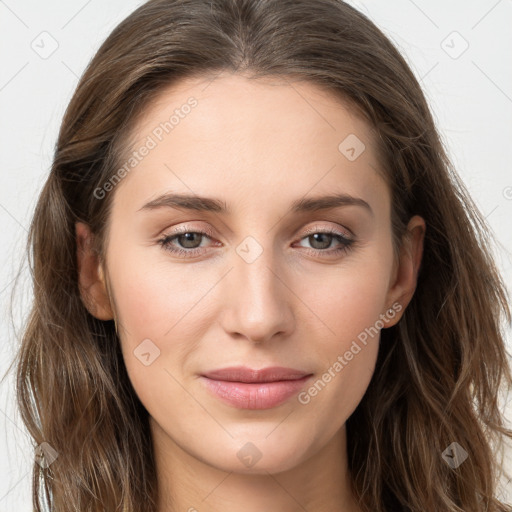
(258,306)
(254,268)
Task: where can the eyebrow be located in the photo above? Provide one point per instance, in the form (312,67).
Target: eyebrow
(207,204)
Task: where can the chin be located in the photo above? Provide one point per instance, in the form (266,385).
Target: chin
(259,456)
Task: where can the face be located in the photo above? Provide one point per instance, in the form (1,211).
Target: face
(256,276)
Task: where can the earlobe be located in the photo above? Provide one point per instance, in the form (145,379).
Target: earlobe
(406,275)
(91,279)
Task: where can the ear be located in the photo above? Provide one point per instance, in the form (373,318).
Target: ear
(405,275)
(91,281)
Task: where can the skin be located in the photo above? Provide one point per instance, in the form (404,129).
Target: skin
(258,146)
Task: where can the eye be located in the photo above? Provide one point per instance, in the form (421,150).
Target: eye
(322,239)
(190,241)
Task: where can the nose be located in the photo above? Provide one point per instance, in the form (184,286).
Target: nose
(258,303)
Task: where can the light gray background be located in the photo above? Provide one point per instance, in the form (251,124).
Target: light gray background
(470,94)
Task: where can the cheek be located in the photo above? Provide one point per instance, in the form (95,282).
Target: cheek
(165,313)
(351,307)
(356,306)
(348,357)
(154,299)
(351,299)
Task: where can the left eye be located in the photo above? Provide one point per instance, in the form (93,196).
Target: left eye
(189,242)
(322,237)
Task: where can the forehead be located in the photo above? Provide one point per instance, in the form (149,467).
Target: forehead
(230,134)
(232,105)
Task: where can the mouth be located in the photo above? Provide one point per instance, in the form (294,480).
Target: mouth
(246,388)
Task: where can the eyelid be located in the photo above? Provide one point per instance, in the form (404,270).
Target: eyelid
(345,232)
(185,228)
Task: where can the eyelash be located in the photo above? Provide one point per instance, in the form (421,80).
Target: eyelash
(346,243)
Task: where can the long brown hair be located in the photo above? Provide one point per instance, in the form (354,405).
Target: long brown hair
(439,370)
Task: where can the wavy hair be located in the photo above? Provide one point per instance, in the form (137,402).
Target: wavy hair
(439,370)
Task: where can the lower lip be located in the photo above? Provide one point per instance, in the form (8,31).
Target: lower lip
(257,395)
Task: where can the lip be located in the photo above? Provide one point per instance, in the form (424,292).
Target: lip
(249,375)
(247,388)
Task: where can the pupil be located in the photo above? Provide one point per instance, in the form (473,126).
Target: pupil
(189,237)
(317,237)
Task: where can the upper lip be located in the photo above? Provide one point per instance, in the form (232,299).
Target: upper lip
(246,374)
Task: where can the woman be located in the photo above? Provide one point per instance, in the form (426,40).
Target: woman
(260,283)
